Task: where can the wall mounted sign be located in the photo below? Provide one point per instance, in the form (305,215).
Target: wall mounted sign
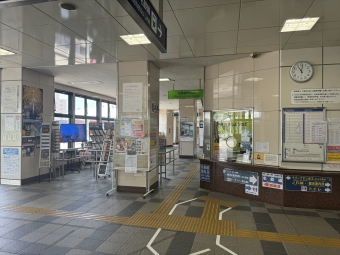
(308,183)
(205,172)
(242,177)
(270,180)
(315,96)
(185,94)
(146,16)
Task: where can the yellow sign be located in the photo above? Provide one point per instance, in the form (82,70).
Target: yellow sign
(333,156)
(258,156)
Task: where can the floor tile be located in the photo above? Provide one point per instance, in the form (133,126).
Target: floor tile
(89,244)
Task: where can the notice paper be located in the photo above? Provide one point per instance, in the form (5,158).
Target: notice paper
(125,128)
(138,128)
(10,99)
(131,163)
(9,123)
(10,161)
(132,97)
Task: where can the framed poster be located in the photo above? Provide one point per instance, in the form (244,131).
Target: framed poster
(304,135)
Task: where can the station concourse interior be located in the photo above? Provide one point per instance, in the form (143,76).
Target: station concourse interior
(254,164)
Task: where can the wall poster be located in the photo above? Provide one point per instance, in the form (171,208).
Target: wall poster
(10,95)
(32,103)
(186,131)
(10,129)
(132,97)
(302,140)
(10,161)
(333,146)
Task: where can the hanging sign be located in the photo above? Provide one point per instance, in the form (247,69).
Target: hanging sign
(185,94)
(146,16)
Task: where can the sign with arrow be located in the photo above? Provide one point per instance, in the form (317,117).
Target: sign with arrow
(146,16)
(308,183)
(242,177)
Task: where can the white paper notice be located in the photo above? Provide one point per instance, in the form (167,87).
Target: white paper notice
(265,147)
(271,159)
(125,128)
(258,147)
(10,161)
(315,96)
(153,158)
(10,99)
(334,132)
(131,163)
(9,123)
(132,97)
(142,146)
(318,132)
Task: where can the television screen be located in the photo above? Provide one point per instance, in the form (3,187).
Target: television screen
(72,133)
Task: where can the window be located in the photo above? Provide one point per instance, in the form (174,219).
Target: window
(112,111)
(105,110)
(80,106)
(62,121)
(91,108)
(61,103)
(80,121)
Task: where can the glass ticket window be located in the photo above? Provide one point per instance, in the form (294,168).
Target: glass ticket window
(232,136)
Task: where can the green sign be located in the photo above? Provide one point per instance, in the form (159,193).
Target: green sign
(184,94)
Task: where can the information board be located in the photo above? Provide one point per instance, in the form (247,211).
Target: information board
(271,180)
(308,183)
(238,176)
(205,172)
(304,135)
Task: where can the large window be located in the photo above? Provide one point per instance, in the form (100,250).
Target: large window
(112,111)
(91,108)
(80,106)
(105,110)
(61,103)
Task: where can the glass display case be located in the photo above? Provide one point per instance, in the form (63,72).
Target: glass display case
(232,136)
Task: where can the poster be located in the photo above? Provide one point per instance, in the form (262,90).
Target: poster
(28,151)
(138,128)
(10,95)
(142,146)
(131,146)
(132,97)
(45,154)
(333,146)
(273,181)
(298,143)
(131,163)
(205,172)
(32,103)
(318,132)
(121,145)
(125,128)
(10,161)
(9,123)
(153,158)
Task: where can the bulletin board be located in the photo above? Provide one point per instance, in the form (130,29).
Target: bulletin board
(132,144)
(304,135)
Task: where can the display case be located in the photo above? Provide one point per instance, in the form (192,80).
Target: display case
(231,136)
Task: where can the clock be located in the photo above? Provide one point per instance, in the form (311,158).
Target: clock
(231,141)
(301,71)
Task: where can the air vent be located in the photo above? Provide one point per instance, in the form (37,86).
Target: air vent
(68,6)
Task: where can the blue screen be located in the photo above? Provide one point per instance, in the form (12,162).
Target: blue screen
(72,133)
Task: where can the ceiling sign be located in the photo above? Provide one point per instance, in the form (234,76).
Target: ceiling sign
(185,94)
(13,3)
(146,16)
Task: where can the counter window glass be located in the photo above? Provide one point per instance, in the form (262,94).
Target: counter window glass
(232,136)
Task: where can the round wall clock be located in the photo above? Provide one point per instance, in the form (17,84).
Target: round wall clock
(231,141)
(301,71)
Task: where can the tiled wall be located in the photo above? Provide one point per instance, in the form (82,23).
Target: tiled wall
(226,87)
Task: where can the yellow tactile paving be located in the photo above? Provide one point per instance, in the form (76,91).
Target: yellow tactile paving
(207,224)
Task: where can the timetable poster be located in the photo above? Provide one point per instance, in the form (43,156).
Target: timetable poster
(304,135)
(333,146)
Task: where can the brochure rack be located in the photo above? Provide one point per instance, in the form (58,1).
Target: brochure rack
(106,155)
(45,149)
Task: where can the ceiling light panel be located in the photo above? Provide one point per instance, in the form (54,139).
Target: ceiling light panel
(4,52)
(292,25)
(164,79)
(84,82)
(135,39)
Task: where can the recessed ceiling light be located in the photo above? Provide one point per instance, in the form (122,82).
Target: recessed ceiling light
(292,25)
(135,39)
(4,52)
(164,79)
(254,79)
(68,6)
(84,82)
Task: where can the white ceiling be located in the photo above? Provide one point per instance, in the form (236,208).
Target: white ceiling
(199,32)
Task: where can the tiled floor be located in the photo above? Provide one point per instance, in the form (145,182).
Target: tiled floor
(259,225)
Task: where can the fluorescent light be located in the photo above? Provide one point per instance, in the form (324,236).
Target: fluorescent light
(135,39)
(189,106)
(84,82)
(164,79)
(254,79)
(4,52)
(292,25)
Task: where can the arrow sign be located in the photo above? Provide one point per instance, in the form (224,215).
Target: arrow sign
(160,31)
(327,184)
(327,190)
(288,177)
(252,179)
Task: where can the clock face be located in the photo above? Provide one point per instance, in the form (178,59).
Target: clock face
(231,141)
(301,71)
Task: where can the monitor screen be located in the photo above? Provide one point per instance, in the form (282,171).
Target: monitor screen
(72,133)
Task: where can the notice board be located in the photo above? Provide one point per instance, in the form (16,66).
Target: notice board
(304,135)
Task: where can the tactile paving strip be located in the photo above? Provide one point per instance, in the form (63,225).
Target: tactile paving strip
(218,201)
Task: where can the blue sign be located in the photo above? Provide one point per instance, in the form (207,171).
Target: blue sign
(242,177)
(270,180)
(309,183)
(205,173)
